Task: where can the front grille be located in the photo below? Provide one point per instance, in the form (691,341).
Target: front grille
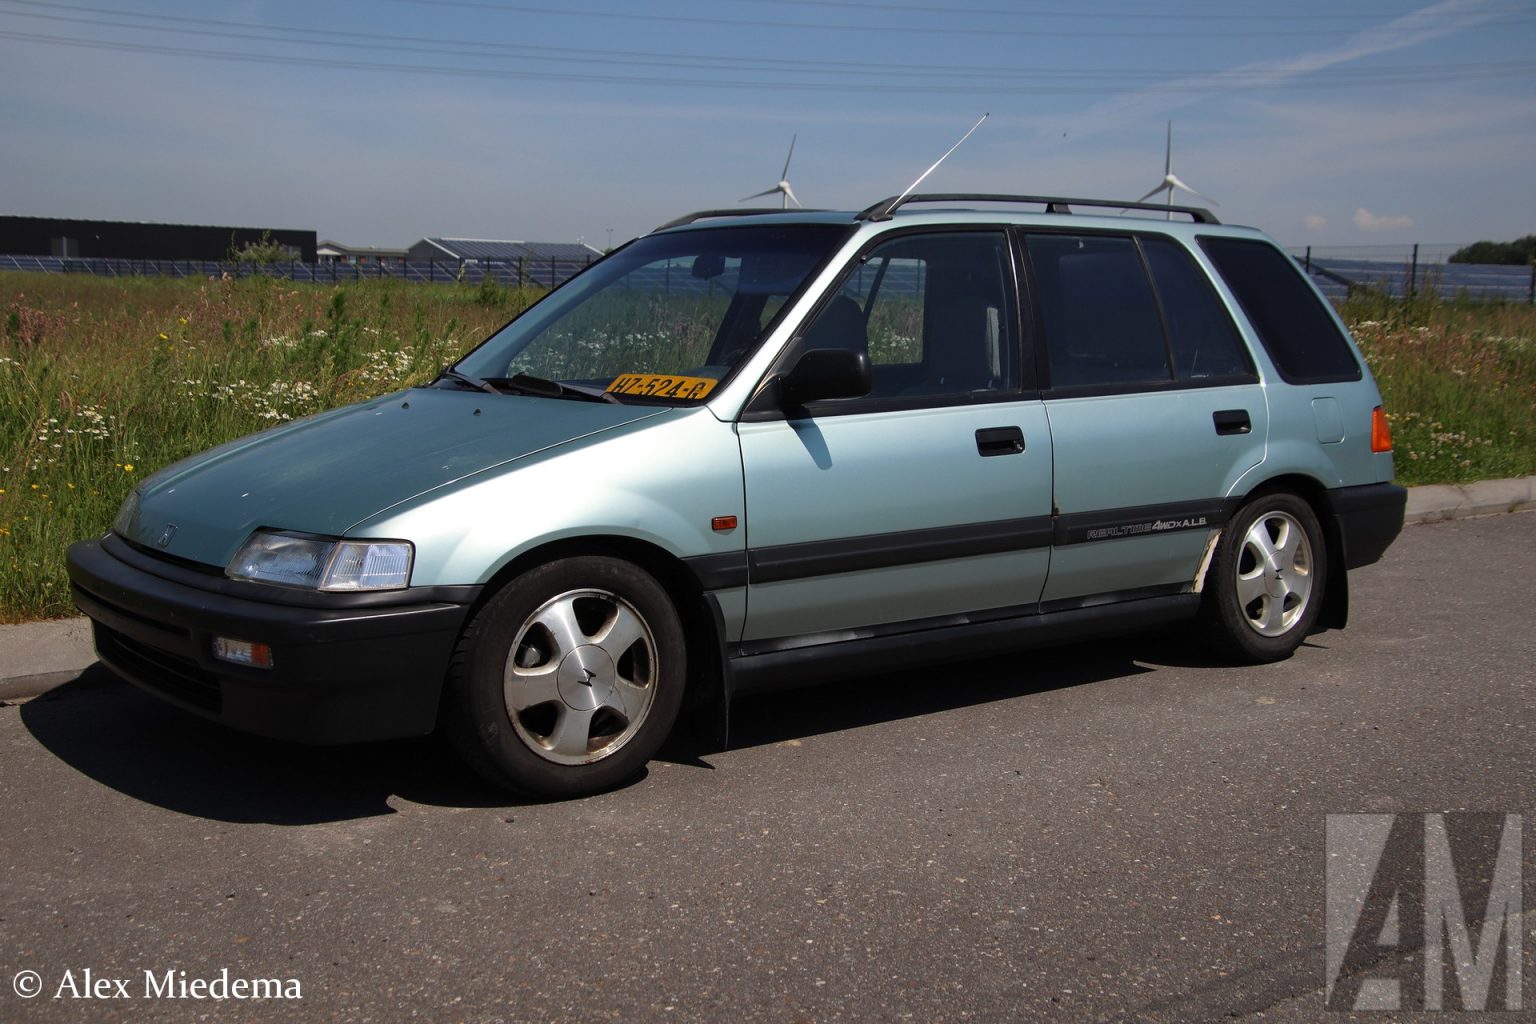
(177,677)
(165,557)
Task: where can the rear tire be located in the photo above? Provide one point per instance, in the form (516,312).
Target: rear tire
(568,679)
(1264,588)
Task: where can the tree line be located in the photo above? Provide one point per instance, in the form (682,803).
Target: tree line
(1521,252)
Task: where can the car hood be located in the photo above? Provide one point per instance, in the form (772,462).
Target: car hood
(326,473)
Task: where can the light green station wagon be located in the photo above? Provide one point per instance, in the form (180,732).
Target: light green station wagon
(759,449)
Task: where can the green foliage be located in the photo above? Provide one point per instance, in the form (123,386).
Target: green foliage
(93,397)
(264,252)
(508,300)
(1520,252)
(1458,380)
(489,293)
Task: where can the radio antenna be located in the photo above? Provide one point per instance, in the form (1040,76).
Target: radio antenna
(885,213)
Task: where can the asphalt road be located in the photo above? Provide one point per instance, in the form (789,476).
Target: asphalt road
(1123,830)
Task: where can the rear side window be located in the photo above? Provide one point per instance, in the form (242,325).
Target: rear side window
(1301,338)
(1102,327)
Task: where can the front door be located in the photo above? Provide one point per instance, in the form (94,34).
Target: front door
(926,500)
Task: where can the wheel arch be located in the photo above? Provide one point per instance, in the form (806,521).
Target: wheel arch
(705,696)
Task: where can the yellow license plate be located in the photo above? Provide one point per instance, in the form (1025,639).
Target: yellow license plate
(662,385)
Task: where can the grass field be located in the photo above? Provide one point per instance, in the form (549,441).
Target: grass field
(103,380)
(1459,383)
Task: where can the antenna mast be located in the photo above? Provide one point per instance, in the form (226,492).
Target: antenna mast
(897,201)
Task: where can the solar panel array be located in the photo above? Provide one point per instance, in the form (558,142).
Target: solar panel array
(550,264)
(1335,277)
(487,249)
(544,271)
(1395,270)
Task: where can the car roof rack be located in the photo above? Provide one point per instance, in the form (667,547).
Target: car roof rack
(689,218)
(1053,204)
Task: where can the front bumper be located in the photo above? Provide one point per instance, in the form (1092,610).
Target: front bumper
(346,668)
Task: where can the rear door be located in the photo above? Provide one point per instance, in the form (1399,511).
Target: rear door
(1155,411)
(929,498)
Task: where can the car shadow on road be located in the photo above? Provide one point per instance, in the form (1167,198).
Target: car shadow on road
(763,719)
(123,738)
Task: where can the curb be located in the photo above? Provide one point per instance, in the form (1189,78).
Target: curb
(1437,503)
(20,688)
(35,657)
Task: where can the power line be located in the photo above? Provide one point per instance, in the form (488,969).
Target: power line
(246,31)
(1139,12)
(867,29)
(1253,79)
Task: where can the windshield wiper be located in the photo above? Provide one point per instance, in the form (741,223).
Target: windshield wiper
(464,378)
(528,384)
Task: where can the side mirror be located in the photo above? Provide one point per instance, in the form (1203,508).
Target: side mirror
(826,373)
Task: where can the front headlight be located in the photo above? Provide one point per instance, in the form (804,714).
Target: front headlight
(319,563)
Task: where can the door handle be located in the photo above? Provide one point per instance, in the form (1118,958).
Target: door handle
(999,441)
(1232,421)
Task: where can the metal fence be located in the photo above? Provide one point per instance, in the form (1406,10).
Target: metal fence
(528,271)
(1412,270)
(1398,271)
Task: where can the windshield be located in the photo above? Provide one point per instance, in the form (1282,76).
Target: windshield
(666,318)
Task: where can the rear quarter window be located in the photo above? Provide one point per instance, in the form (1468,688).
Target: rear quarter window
(1206,344)
(1302,339)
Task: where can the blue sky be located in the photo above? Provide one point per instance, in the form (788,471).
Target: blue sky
(1373,122)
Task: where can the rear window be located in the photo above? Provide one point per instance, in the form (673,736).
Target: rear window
(1302,339)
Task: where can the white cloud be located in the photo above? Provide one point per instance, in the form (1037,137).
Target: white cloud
(1445,17)
(1365,220)
(1315,221)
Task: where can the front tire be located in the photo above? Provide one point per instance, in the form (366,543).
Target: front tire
(1266,581)
(567,681)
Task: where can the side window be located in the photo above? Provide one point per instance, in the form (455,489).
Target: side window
(1099,315)
(1297,331)
(1205,342)
(933,313)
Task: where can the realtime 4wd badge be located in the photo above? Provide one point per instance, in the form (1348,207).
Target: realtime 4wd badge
(662,385)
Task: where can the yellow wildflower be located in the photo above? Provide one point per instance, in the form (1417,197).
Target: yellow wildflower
(164,336)
(127,467)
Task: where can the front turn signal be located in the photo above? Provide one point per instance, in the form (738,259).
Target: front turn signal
(1381,431)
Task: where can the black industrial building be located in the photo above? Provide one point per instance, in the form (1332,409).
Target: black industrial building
(108,239)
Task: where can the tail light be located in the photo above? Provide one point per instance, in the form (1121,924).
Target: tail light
(1381,432)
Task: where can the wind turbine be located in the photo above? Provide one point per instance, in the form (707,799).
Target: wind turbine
(1171,181)
(783,185)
